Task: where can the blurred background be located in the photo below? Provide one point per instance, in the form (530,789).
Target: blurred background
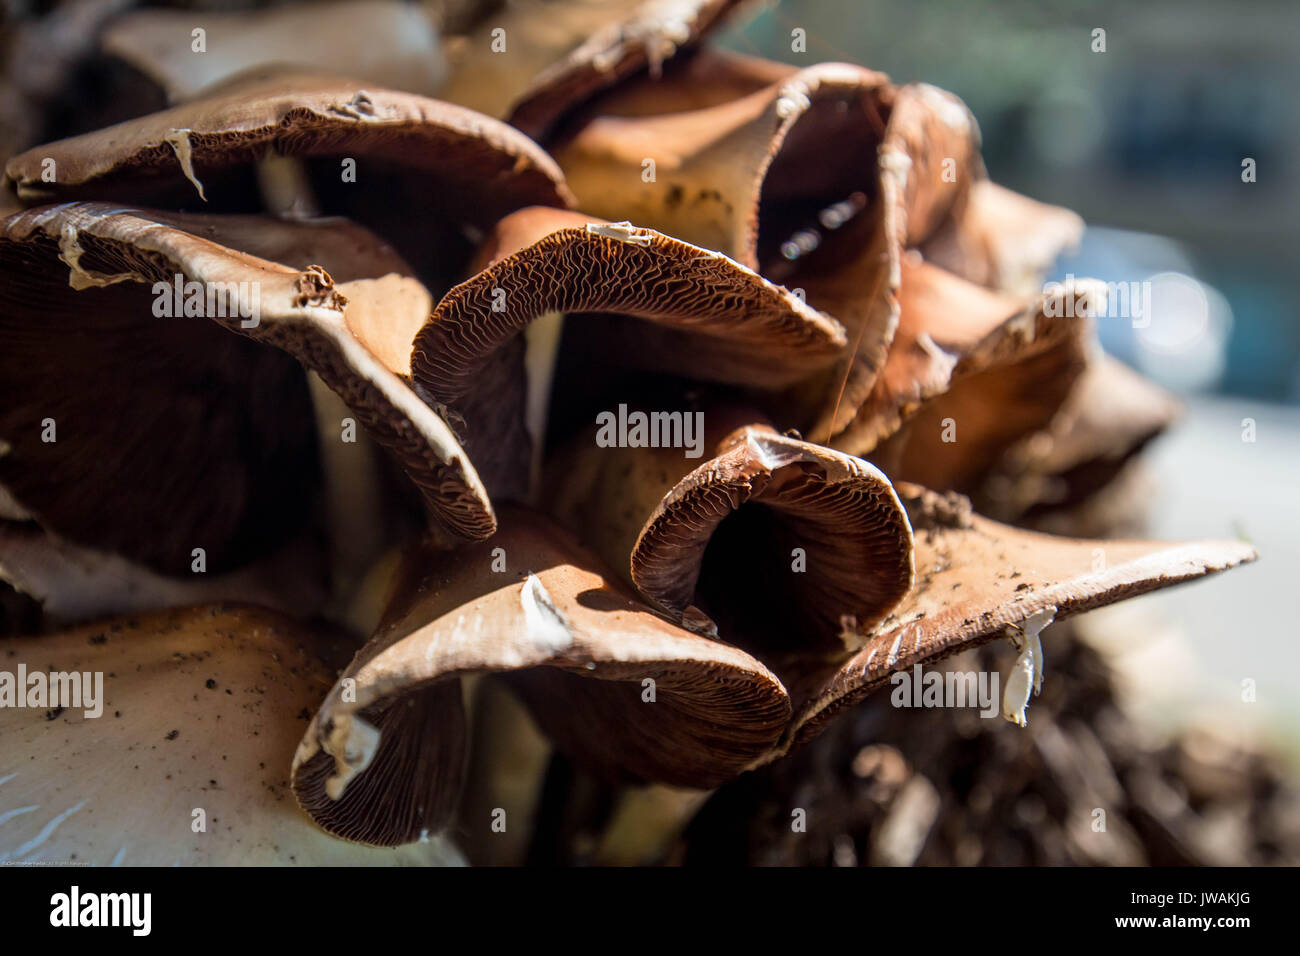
(1172,129)
(1146,139)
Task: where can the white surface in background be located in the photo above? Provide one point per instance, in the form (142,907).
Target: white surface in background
(1185,652)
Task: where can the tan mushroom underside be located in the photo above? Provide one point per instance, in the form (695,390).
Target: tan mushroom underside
(470,356)
(202,709)
(342,332)
(975,577)
(382,759)
(749,154)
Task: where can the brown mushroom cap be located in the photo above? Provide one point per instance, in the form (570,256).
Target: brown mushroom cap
(934,140)
(740,175)
(1002,240)
(382,759)
(720,538)
(425,174)
(651,34)
(469,356)
(975,577)
(200,712)
(1111,414)
(384,42)
(155,437)
(1009,383)
(949,330)
(115,256)
(301,115)
(818,178)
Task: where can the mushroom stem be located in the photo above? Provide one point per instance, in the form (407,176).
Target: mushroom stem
(286,187)
(541,351)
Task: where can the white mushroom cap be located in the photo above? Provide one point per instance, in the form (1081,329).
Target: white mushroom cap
(201,711)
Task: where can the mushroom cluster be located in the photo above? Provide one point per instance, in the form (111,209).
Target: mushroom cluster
(688,395)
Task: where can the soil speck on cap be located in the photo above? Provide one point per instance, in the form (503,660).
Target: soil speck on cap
(210,684)
(172,735)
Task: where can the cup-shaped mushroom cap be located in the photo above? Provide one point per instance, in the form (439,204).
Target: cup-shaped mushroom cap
(470,357)
(742,175)
(817,178)
(1111,414)
(785,170)
(950,329)
(1009,383)
(385,42)
(1003,240)
(149,159)
(86,267)
(652,33)
(783,545)
(975,578)
(619,688)
(185,760)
